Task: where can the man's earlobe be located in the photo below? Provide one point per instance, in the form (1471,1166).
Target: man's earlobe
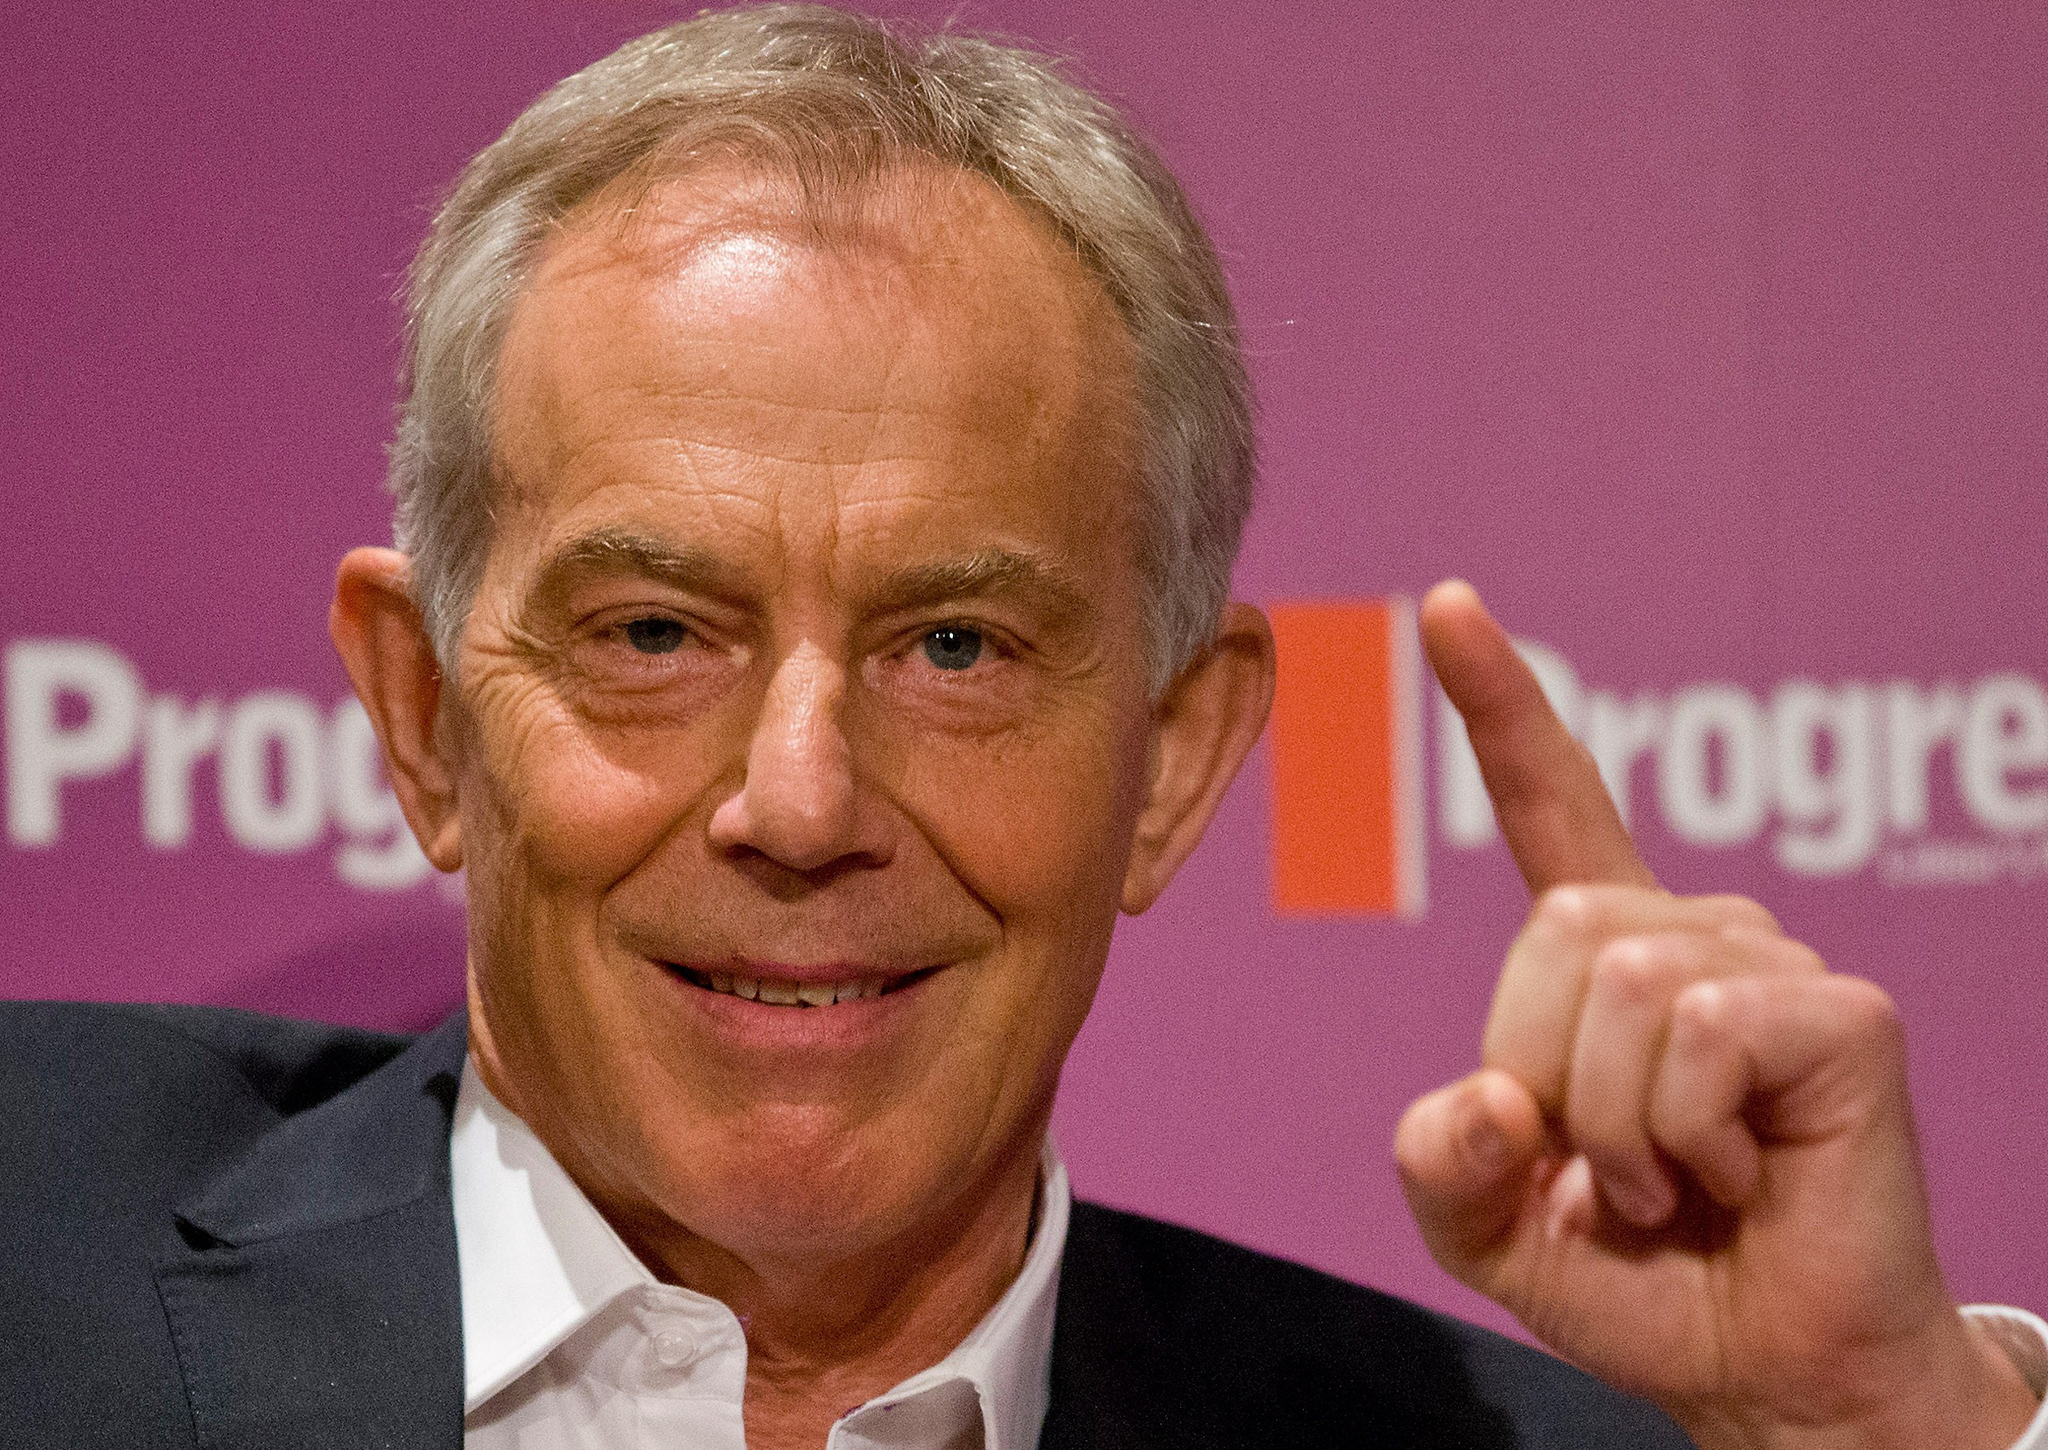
(386,649)
(1207,723)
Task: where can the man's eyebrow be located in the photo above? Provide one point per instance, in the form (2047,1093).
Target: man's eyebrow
(988,571)
(689,569)
(620,551)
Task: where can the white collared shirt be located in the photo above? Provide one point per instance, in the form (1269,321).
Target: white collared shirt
(570,1343)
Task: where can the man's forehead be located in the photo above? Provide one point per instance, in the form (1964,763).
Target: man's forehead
(707,336)
(702,275)
(915,213)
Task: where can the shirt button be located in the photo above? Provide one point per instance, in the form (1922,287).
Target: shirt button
(675,1348)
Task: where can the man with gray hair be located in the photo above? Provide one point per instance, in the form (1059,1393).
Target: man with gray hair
(825,452)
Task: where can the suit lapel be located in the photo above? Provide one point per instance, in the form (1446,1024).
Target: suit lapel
(1117,1381)
(313,1293)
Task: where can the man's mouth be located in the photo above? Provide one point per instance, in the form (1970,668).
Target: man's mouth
(793,992)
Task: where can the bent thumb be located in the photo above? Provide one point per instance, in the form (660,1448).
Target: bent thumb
(1466,1153)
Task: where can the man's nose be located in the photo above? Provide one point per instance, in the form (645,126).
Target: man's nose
(799,804)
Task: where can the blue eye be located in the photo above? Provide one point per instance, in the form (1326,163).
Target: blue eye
(952,648)
(655,635)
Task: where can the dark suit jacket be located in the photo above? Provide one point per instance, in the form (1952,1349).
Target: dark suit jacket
(227,1231)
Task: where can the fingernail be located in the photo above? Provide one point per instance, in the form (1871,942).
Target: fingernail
(1485,1144)
(1571,1201)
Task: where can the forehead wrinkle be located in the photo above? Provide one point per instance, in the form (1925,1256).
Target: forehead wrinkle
(758,453)
(597,460)
(712,415)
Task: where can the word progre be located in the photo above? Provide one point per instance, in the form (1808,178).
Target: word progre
(287,772)
(1828,772)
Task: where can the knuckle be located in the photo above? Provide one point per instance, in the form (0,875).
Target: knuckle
(1868,1011)
(1742,911)
(1770,952)
(1564,911)
(1703,1011)
(1797,956)
(1633,970)
(1582,909)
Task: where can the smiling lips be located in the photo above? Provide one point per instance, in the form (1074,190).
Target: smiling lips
(780,991)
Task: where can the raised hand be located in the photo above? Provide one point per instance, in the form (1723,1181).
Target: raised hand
(1687,1162)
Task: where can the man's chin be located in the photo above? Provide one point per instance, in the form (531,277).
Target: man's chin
(791,1198)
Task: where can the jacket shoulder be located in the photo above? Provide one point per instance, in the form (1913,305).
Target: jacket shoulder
(1268,1352)
(122,1103)
(117,1115)
(290,1064)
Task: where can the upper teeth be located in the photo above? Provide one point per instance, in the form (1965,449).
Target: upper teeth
(782,992)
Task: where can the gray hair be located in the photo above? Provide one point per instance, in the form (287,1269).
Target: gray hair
(833,97)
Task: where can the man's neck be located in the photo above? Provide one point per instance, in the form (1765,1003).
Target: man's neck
(823,1336)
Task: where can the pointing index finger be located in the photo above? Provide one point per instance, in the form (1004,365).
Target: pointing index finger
(1553,807)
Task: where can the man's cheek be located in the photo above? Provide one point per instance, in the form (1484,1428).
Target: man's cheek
(1034,833)
(584,807)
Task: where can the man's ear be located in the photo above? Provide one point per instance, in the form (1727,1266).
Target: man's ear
(384,645)
(1203,728)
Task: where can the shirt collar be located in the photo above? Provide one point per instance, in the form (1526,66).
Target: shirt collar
(538,1261)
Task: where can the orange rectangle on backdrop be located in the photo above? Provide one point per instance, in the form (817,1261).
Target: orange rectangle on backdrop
(1336,772)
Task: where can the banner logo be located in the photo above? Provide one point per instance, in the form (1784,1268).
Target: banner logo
(1929,784)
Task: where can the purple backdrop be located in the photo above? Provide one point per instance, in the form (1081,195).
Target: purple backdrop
(1710,343)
